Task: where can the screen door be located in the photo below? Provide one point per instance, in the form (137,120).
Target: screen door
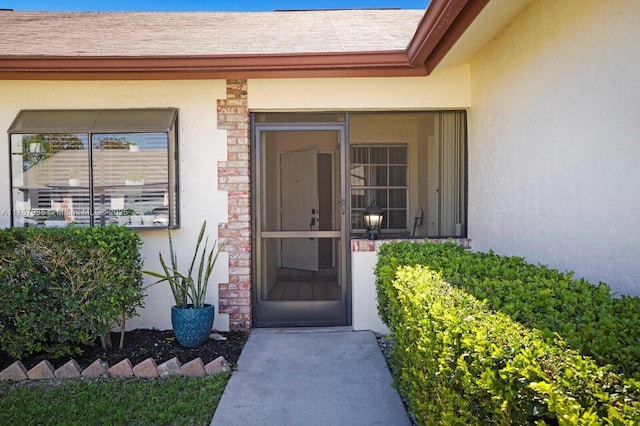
(299,194)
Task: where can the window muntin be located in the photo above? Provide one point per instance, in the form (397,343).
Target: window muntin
(424,157)
(91,178)
(379,173)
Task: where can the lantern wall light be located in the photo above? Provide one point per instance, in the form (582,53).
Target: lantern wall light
(373,220)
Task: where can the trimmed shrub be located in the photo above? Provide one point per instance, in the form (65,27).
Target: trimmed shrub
(587,317)
(458,363)
(66,286)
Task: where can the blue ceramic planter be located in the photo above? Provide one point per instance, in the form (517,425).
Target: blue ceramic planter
(192,326)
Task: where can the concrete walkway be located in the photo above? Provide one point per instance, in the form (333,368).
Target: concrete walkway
(297,376)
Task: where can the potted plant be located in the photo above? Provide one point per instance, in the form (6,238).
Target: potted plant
(191,317)
(122,216)
(74,176)
(134,177)
(55,219)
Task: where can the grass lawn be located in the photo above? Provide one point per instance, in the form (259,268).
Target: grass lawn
(130,401)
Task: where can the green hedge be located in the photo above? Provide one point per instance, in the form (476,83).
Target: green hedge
(458,363)
(63,287)
(587,317)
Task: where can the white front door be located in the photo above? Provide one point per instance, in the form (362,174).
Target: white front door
(299,212)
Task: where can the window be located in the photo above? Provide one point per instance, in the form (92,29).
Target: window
(379,173)
(93,167)
(413,164)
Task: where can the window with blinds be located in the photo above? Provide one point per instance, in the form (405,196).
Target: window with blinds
(94,167)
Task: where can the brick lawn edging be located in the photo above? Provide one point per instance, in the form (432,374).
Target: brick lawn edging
(99,368)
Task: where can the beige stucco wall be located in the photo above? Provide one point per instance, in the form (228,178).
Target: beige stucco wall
(364,299)
(448,89)
(442,90)
(554,140)
(201,146)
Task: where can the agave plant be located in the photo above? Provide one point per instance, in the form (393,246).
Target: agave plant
(187,290)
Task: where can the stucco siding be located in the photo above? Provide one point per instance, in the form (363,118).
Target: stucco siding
(201,145)
(554,140)
(365,302)
(444,89)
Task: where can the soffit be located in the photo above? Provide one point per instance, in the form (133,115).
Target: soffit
(495,16)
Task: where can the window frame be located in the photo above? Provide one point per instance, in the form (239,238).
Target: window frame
(433,137)
(440,134)
(388,187)
(90,123)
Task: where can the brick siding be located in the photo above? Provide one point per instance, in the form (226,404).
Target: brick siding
(234,177)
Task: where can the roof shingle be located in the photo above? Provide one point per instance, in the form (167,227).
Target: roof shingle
(131,34)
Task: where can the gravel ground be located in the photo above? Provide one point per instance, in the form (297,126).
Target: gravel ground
(385,342)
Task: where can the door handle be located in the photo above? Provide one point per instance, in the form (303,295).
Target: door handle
(314,220)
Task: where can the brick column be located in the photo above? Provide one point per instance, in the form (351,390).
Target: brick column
(234,177)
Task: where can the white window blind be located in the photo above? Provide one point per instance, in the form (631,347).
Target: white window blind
(90,176)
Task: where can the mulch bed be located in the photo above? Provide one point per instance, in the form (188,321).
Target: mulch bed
(141,344)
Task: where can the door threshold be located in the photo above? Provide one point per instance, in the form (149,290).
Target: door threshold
(299,330)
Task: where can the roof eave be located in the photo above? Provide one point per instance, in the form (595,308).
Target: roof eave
(440,28)
(219,66)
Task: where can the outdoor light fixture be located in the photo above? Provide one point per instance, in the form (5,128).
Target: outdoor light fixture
(373,220)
